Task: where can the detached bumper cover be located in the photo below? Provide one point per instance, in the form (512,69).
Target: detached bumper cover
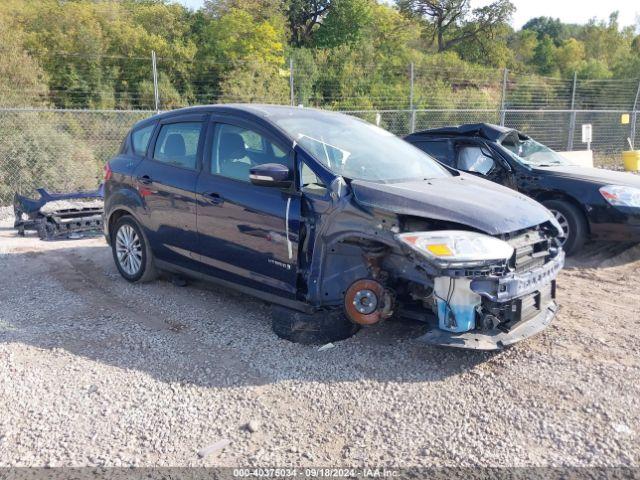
(493,339)
(54,215)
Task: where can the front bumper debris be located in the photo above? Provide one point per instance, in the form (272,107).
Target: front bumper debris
(494,339)
(516,285)
(55,215)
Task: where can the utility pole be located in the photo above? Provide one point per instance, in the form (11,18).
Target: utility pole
(503,96)
(411,106)
(634,119)
(572,120)
(156,93)
(293,100)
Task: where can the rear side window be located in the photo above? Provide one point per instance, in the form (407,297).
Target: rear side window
(441,150)
(140,139)
(177,144)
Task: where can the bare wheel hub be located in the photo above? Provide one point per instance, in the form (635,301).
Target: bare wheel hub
(367,302)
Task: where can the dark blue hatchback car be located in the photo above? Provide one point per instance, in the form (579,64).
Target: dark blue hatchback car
(335,221)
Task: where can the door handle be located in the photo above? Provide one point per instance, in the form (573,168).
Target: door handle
(214,198)
(145,180)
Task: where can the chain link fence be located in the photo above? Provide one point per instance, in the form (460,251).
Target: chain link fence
(60,150)
(65,149)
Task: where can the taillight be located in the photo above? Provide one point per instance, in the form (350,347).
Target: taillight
(107,172)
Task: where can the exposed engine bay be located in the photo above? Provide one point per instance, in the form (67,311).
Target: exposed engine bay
(56,215)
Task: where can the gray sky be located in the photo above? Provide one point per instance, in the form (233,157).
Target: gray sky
(572,11)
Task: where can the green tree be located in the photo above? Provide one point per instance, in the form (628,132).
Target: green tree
(23,83)
(450,22)
(392,36)
(259,9)
(237,45)
(544,56)
(570,56)
(304,17)
(605,41)
(547,26)
(490,49)
(523,45)
(256,81)
(97,54)
(346,23)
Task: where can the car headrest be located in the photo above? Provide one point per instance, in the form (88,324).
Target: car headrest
(174,146)
(232,147)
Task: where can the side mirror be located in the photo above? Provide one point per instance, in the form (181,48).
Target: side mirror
(270,175)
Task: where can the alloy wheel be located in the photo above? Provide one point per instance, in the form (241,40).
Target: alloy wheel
(564,224)
(129,250)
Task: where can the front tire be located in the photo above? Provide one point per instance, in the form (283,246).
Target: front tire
(573,223)
(131,251)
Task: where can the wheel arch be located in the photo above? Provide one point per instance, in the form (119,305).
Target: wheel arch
(115,215)
(343,262)
(563,196)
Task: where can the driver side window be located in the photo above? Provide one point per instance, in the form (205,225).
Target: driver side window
(471,158)
(237,149)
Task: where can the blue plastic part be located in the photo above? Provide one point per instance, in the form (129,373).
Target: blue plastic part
(458,318)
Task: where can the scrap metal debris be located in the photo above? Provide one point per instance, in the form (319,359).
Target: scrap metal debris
(213,448)
(54,215)
(326,346)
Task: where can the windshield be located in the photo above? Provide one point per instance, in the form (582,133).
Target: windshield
(356,149)
(531,152)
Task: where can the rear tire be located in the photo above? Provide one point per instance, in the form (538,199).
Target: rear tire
(311,328)
(131,251)
(573,222)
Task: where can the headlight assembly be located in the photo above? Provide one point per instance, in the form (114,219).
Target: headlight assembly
(621,196)
(457,248)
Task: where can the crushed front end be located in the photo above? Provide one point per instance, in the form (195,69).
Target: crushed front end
(55,215)
(474,290)
(488,292)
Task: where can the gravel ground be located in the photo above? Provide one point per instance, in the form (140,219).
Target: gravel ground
(96,371)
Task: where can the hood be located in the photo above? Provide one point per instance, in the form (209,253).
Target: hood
(598,176)
(464,199)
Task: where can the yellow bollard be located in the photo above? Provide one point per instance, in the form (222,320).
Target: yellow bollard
(631,160)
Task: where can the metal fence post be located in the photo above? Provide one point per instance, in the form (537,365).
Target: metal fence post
(503,96)
(572,119)
(291,93)
(634,119)
(156,92)
(411,106)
